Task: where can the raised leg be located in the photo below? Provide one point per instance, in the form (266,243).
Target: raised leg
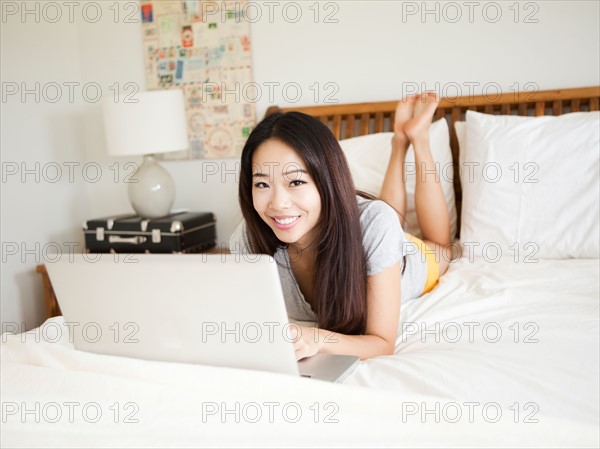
(393,190)
(430,204)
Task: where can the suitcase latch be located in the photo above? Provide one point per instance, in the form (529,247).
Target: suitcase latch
(156,236)
(99,234)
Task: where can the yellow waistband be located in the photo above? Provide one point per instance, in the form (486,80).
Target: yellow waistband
(433,267)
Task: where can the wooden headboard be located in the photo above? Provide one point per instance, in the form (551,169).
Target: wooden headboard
(358,119)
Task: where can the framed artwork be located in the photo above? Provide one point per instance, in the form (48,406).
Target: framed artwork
(203,48)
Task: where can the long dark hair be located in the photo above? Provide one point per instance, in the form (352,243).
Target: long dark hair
(340,274)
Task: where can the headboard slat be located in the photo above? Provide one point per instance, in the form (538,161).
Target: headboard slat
(456,115)
(350,126)
(337,126)
(379,122)
(575,105)
(557,107)
(540,108)
(364,124)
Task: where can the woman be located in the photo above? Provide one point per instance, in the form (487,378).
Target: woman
(344,261)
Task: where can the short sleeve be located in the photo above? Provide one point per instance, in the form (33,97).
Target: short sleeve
(238,242)
(382,236)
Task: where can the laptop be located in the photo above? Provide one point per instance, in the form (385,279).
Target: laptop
(214,309)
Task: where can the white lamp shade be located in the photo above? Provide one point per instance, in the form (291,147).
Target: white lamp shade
(155,124)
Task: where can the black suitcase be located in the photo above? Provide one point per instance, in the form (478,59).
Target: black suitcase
(183,232)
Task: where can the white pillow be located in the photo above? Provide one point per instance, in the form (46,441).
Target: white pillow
(530,186)
(368,158)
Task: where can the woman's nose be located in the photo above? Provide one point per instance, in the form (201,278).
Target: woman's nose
(280,198)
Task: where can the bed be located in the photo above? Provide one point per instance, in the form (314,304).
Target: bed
(503,352)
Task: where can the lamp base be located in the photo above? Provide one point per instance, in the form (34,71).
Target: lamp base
(153,194)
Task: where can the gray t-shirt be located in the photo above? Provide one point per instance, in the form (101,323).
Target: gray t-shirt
(384,243)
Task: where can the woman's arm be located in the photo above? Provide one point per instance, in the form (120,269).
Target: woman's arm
(383,296)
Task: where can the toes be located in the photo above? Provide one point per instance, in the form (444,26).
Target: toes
(404,108)
(431,96)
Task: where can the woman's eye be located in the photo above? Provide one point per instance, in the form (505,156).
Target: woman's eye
(299,183)
(260,185)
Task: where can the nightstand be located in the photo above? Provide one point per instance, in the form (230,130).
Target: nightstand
(50,302)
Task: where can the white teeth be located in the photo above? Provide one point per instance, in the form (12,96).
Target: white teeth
(286,220)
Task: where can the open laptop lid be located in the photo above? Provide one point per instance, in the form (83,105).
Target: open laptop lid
(177,307)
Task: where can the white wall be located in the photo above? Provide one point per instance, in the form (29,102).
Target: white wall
(375,51)
(38,215)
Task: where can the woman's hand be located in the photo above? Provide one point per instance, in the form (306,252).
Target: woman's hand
(306,341)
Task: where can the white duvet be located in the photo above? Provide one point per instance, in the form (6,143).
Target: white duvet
(499,354)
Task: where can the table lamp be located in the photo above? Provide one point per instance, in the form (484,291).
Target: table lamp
(156,123)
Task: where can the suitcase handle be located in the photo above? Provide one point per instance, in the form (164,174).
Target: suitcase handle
(137,240)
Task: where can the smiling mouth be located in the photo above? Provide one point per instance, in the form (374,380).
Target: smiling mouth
(286,220)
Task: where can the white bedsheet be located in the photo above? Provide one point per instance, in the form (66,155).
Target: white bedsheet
(453,392)
(547,352)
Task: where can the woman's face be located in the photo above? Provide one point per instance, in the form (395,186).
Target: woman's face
(284,194)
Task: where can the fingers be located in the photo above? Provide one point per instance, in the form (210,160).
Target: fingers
(302,354)
(304,348)
(299,350)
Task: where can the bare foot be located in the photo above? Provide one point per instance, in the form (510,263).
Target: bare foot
(418,126)
(404,112)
